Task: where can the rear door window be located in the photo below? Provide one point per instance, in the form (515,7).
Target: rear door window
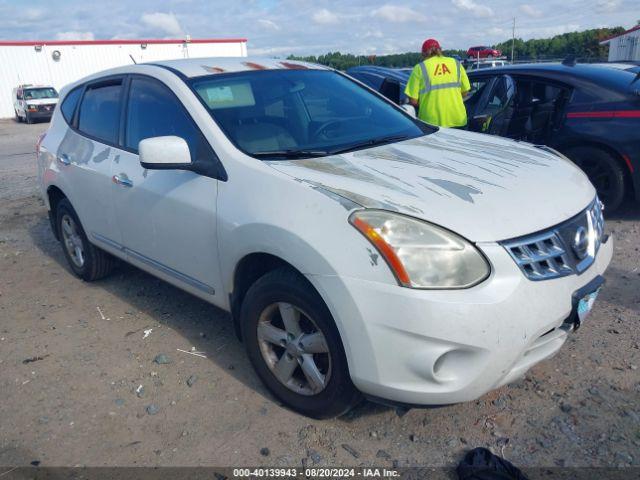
(99,115)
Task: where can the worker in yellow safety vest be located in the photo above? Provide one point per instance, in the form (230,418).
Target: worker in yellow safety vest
(437,86)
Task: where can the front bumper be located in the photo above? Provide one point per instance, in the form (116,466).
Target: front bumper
(437,347)
(39,114)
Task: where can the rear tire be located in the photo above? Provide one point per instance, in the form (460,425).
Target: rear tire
(605,172)
(316,382)
(85,259)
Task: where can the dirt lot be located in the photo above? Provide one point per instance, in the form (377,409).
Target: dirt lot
(73,354)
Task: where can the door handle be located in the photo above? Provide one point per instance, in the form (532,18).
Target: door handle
(122,179)
(63,158)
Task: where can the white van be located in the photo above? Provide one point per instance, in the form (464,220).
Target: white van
(32,102)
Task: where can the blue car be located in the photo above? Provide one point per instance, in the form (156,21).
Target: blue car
(589,112)
(388,81)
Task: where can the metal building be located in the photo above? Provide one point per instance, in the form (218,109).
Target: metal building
(624,47)
(57,63)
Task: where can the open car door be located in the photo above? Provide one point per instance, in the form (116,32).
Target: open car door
(493,111)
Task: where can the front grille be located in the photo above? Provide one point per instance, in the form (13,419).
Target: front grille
(562,250)
(598,222)
(47,108)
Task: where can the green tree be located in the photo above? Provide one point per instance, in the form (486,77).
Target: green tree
(584,45)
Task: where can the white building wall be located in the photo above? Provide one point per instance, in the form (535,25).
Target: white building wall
(24,64)
(625,47)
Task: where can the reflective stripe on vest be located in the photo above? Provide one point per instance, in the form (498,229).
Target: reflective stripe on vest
(427,81)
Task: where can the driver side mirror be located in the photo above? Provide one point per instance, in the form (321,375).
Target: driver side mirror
(164,153)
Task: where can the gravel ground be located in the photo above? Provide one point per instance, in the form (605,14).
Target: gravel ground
(79,385)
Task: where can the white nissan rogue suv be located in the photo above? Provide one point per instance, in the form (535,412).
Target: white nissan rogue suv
(359,250)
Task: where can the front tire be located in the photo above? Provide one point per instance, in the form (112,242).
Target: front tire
(604,171)
(85,259)
(27,118)
(294,345)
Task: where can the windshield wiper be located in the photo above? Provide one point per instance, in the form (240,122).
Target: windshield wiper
(290,153)
(370,143)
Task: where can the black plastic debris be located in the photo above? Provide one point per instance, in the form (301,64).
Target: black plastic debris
(481,464)
(34,359)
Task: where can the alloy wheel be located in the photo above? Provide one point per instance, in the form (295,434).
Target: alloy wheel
(294,348)
(72,240)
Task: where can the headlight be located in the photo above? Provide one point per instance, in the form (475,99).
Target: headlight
(421,255)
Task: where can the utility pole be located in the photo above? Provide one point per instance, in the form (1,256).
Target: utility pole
(513,38)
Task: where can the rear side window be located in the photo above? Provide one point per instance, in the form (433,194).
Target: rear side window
(154,111)
(69,104)
(99,115)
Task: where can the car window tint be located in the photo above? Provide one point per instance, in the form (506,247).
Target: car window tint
(502,95)
(69,104)
(100,111)
(154,111)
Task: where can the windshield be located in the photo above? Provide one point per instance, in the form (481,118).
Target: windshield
(280,113)
(35,93)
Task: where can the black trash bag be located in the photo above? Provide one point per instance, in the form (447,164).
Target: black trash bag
(481,464)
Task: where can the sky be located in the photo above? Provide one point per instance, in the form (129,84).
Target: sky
(309,27)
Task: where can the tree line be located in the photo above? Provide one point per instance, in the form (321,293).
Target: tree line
(584,45)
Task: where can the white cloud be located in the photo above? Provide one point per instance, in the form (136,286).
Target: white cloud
(269,24)
(496,31)
(75,36)
(371,34)
(32,14)
(544,32)
(398,14)
(166,23)
(470,6)
(607,5)
(325,17)
(532,11)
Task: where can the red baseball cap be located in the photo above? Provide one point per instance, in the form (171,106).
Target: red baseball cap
(429,44)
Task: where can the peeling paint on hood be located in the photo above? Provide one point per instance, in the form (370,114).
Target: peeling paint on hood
(483,187)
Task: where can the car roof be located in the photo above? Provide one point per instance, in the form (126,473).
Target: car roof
(400,74)
(196,67)
(27,86)
(630,67)
(615,78)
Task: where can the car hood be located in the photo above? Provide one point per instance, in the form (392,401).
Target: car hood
(484,188)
